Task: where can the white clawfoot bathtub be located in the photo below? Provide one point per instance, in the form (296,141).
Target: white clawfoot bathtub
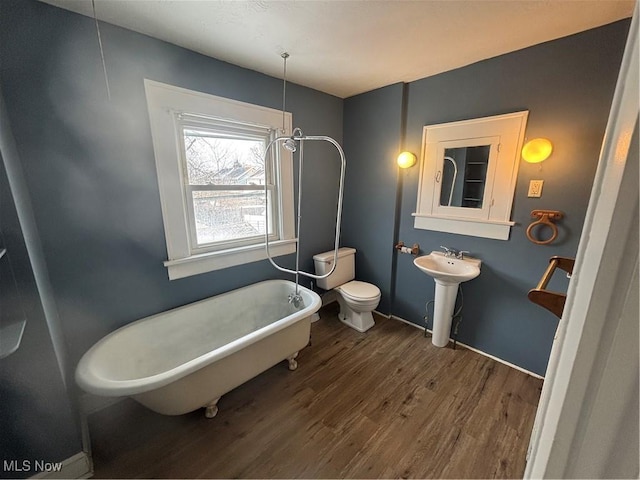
(187,358)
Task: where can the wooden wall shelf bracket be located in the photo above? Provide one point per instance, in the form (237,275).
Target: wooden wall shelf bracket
(552,301)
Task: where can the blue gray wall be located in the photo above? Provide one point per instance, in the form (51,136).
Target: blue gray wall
(90,167)
(567,86)
(36,419)
(373,127)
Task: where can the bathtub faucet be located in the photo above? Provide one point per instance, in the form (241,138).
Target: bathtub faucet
(295,299)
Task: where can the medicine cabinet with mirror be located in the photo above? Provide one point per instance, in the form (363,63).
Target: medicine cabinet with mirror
(468,175)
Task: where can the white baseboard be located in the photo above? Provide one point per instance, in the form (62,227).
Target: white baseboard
(493,357)
(77,466)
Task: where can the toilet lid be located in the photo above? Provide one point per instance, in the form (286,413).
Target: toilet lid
(360,290)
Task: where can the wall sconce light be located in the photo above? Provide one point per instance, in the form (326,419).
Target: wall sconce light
(537,150)
(406,160)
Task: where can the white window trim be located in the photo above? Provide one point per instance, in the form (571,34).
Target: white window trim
(500,186)
(164,102)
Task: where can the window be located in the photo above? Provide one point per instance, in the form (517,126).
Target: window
(212,177)
(225,179)
(468,175)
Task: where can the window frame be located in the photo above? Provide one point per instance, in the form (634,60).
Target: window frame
(170,109)
(229,129)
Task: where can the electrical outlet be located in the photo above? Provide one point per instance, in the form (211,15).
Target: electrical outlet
(535,188)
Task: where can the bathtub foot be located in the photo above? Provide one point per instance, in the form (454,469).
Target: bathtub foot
(292,361)
(211,409)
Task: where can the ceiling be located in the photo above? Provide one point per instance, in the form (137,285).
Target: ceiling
(346,47)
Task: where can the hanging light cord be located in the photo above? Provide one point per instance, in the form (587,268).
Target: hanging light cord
(104,65)
(284,56)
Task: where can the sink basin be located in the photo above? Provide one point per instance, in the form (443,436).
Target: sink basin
(448,270)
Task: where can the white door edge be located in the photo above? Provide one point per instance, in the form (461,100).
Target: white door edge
(557,421)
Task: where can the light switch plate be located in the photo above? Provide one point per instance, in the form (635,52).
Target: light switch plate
(535,188)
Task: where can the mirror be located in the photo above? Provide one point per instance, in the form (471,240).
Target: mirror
(464,174)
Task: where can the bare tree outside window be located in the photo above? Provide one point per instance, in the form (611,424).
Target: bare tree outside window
(232,210)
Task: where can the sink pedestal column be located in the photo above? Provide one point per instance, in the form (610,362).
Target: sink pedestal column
(444,304)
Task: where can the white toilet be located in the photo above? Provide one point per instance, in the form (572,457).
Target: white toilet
(357,299)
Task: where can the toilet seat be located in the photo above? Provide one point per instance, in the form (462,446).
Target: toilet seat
(359,291)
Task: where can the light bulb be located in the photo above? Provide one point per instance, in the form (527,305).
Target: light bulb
(537,150)
(406,160)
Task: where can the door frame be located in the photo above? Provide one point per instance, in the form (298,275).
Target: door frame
(583,341)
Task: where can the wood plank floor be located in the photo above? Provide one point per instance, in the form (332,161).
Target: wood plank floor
(381,404)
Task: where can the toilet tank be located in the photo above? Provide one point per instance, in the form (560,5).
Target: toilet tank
(345,270)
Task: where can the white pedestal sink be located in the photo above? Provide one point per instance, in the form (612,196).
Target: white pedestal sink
(448,273)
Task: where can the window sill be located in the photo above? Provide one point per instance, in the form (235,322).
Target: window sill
(210,261)
(495,229)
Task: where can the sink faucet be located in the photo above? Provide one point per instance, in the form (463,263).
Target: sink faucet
(453,252)
(449,252)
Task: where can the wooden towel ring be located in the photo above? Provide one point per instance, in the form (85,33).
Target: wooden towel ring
(545,217)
